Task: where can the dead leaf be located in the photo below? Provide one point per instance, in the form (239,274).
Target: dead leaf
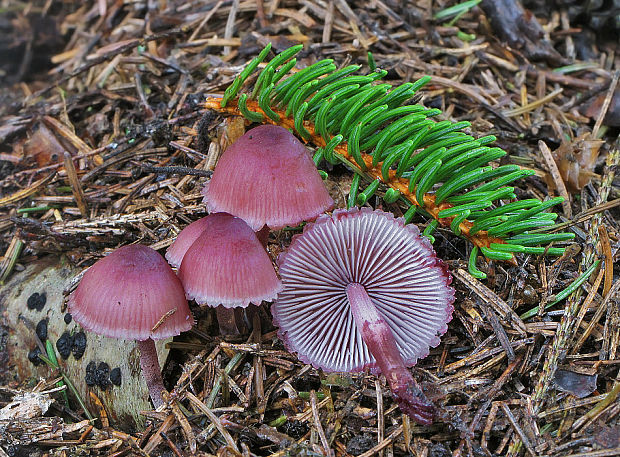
(576,161)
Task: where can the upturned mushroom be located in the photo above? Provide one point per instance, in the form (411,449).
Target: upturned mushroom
(224,265)
(133,294)
(364,290)
(267,178)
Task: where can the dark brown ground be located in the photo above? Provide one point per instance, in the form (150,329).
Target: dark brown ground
(119,86)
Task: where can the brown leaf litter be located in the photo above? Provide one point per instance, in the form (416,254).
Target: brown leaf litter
(105,142)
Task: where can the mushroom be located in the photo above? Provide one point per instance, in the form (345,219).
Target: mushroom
(277,184)
(133,294)
(267,177)
(364,290)
(225,264)
(185,238)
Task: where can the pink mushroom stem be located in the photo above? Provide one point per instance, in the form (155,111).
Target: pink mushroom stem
(151,371)
(227,320)
(263,235)
(379,338)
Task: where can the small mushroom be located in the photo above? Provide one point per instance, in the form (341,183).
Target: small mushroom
(267,177)
(225,264)
(133,294)
(364,290)
(185,238)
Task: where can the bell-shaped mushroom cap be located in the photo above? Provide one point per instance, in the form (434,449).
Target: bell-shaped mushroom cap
(132,294)
(398,268)
(267,177)
(228,266)
(176,251)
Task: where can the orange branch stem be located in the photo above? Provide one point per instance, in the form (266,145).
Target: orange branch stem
(480,239)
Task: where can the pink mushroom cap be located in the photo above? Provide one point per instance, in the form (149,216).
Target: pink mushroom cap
(407,283)
(267,177)
(132,294)
(176,251)
(227,265)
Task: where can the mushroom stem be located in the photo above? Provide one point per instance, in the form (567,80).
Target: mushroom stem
(151,371)
(227,320)
(263,235)
(379,338)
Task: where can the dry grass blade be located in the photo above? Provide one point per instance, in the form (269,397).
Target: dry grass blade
(185,426)
(76,186)
(25,193)
(611,327)
(557,178)
(329,22)
(213,418)
(380,417)
(230,24)
(596,317)
(157,437)
(609,259)
(604,403)
(499,332)
(383,444)
(518,429)
(532,106)
(610,93)
(584,309)
(317,423)
(486,294)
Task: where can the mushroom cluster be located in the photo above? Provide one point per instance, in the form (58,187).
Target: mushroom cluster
(360,289)
(134,294)
(267,179)
(222,264)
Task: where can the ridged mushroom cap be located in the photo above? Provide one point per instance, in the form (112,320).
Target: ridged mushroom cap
(227,265)
(267,177)
(127,293)
(398,268)
(185,238)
